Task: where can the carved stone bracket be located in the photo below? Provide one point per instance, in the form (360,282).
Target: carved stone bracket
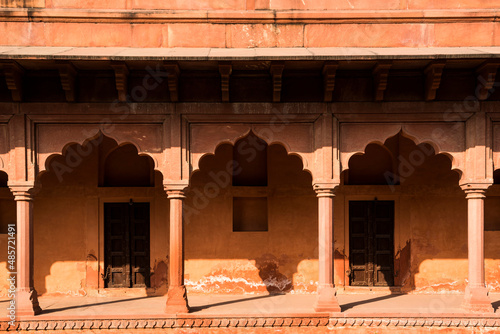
(14,79)
(276,70)
(121,78)
(329,71)
(225,70)
(173,73)
(433,73)
(68,73)
(486,74)
(380,77)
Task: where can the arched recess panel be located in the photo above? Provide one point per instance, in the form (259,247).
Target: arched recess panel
(446,138)
(296,138)
(54,138)
(443,137)
(400,161)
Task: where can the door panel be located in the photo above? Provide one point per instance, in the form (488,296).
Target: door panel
(371,243)
(116,245)
(139,244)
(126,239)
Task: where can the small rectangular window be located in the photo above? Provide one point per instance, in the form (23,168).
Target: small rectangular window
(249,214)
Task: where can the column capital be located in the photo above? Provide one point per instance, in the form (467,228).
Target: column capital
(475,190)
(22,191)
(175,190)
(325,189)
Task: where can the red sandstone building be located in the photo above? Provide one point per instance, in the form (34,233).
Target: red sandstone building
(181,149)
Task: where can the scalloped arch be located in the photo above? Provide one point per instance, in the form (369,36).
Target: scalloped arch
(455,163)
(232,141)
(44,167)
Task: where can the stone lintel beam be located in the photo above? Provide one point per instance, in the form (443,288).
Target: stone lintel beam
(225,70)
(433,73)
(121,78)
(380,77)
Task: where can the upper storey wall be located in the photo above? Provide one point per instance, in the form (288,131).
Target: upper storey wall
(250,23)
(255,4)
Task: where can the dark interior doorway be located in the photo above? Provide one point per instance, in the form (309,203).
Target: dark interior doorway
(371,243)
(126,240)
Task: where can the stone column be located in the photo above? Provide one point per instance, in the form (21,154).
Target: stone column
(26,296)
(327,300)
(177,296)
(476,294)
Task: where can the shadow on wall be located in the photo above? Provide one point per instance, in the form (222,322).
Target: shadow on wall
(251,222)
(68,218)
(431,210)
(273,248)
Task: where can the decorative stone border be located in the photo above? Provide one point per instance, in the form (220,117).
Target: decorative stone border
(255,322)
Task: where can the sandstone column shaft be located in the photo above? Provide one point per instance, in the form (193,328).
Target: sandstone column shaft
(327,300)
(26,297)
(177,296)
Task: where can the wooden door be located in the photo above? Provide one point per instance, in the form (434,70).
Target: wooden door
(371,243)
(126,240)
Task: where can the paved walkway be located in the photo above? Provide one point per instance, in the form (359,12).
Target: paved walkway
(244,305)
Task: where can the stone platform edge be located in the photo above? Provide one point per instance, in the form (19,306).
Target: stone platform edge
(186,321)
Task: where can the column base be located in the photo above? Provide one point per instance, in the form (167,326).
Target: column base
(327,300)
(177,300)
(476,300)
(27,303)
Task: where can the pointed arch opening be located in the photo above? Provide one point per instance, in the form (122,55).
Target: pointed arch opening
(400,161)
(104,202)
(251,230)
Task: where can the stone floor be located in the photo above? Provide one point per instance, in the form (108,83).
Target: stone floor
(263,314)
(241,305)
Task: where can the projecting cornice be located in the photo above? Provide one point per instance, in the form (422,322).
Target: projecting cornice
(235,54)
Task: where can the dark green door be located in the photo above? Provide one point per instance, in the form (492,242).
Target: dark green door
(371,243)
(126,240)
